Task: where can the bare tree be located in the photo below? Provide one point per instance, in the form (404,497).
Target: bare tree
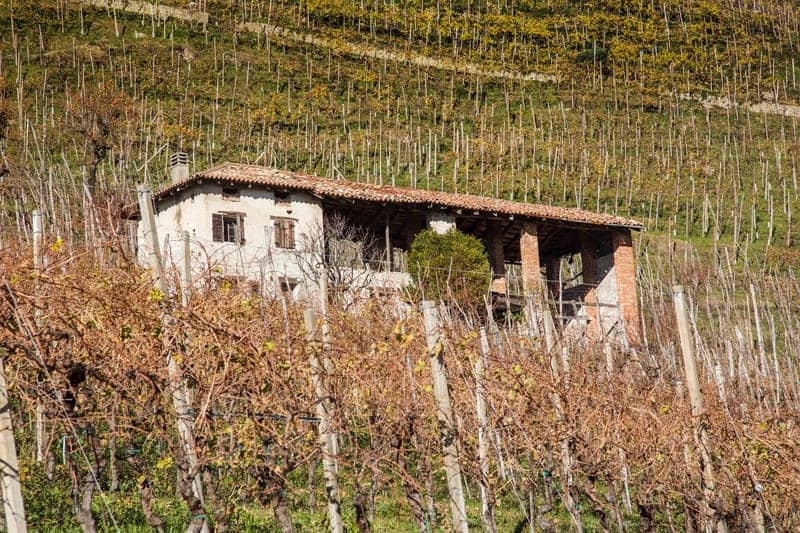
(99,114)
(347,255)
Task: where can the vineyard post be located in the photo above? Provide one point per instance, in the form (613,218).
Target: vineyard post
(713,520)
(327,437)
(444,413)
(9,466)
(487,498)
(762,353)
(36,220)
(186,268)
(626,492)
(178,389)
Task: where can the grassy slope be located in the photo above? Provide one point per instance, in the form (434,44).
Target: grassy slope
(593,140)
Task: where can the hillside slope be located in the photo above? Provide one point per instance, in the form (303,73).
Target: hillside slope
(609,129)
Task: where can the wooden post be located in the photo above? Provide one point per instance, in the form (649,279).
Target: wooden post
(36,223)
(327,437)
(178,389)
(714,522)
(487,498)
(9,466)
(388,239)
(444,413)
(762,353)
(186,268)
(687,346)
(497,257)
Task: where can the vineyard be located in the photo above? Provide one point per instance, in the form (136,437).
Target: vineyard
(563,435)
(102,96)
(681,114)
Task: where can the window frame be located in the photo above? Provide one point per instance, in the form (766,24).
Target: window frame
(218,227)
(280,235)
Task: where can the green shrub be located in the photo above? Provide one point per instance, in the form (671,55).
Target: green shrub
(451,266)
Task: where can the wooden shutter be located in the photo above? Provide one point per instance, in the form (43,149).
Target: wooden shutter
(217,227)
(280,233)
(284,233)
(289,233)
(240,229)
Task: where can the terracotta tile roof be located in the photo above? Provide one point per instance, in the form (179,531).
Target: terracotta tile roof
(342,189)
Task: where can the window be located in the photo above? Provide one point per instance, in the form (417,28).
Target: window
(228,227)
(284,232)
(287,286)
(230,194)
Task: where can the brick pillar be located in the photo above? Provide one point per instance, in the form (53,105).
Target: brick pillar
(589,261)
(553,267)
(529,253)
(625,269)
(497,256)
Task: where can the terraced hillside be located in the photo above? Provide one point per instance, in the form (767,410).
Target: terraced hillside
(680,113)
(662,111)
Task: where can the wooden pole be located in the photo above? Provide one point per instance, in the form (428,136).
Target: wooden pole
(444,413)
(178,389)
(186,268)
(9,466)
(561,368)
(327,437)
(388,239)
(36,222)
(487,498)
(687,346)
(762,353)
(714,522)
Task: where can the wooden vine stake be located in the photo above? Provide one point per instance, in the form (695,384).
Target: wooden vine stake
(444,413)
(327,437)
(36,223)
(487,496)
(9,466)
(713,520)
(180,400)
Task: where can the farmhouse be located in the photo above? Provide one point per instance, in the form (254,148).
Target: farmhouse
(274,228)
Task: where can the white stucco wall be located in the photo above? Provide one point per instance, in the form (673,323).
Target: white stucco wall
(606,293)
(257,258)
(441,222)
(608,312)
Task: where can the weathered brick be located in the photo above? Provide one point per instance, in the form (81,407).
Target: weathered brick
(625,268)
(529,253)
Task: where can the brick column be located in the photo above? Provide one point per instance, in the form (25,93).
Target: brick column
(496,256)
(529,253)
(589,261)
(625,269)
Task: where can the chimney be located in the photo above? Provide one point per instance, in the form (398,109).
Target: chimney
(179,166)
